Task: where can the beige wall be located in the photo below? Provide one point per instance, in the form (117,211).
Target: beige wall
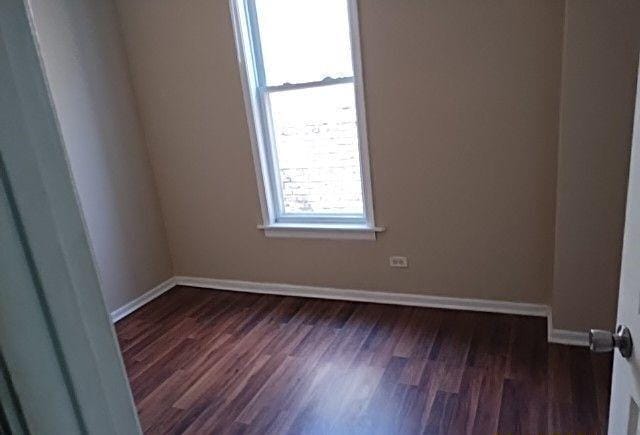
(88,75)
(462,101)
(463,105)
(600,60)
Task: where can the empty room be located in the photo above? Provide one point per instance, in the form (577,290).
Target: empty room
(319,216)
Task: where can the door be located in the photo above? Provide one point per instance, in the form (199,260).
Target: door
(624,411)
(30,372)
(60,368)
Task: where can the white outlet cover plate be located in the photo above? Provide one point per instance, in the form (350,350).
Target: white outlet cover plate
(398,261)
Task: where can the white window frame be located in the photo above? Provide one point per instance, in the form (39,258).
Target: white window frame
(275,223)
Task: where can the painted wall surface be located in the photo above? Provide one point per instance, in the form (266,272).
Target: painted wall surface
(463,105)
(471,141)
(85,62)
(600,61)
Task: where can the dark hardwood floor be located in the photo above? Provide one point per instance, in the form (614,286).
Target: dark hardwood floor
(203,361)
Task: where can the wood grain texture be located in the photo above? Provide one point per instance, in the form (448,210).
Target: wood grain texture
(207,361)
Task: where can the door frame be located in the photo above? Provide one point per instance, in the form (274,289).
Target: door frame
(38,182)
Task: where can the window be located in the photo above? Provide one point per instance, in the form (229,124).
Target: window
(303,91)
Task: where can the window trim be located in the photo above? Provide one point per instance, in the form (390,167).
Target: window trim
(275,223)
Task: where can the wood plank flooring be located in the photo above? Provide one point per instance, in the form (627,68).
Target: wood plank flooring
(204,361)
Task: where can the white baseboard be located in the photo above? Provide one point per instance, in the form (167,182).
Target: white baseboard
(414,300)
(142,299)
(565,336)
(559,336)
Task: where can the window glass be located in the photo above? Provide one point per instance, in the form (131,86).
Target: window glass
(316,143)
(304,40)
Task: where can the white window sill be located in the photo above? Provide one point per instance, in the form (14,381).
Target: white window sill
(321,231)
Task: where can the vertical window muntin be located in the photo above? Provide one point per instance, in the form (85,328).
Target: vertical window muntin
(250,52)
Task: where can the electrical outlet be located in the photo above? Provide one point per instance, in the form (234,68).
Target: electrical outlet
(398,261)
